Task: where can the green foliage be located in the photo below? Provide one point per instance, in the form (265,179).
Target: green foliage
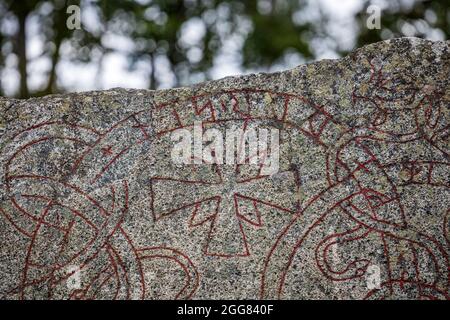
(266,30)
(398,18)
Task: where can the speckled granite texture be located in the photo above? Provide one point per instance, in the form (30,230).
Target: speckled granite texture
(92,206)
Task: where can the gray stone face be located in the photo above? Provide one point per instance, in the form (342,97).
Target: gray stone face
(93,205)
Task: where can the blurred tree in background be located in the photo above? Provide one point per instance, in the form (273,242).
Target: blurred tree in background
(185,39)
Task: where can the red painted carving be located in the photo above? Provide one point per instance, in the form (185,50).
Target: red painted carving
(359,190)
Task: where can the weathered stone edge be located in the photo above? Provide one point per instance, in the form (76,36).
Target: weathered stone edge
(224,83)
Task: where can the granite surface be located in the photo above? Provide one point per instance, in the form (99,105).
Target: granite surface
(94,207)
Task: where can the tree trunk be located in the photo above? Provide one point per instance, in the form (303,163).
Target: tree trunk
(59,20)
(51,83)
(22,55)
(152,73)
